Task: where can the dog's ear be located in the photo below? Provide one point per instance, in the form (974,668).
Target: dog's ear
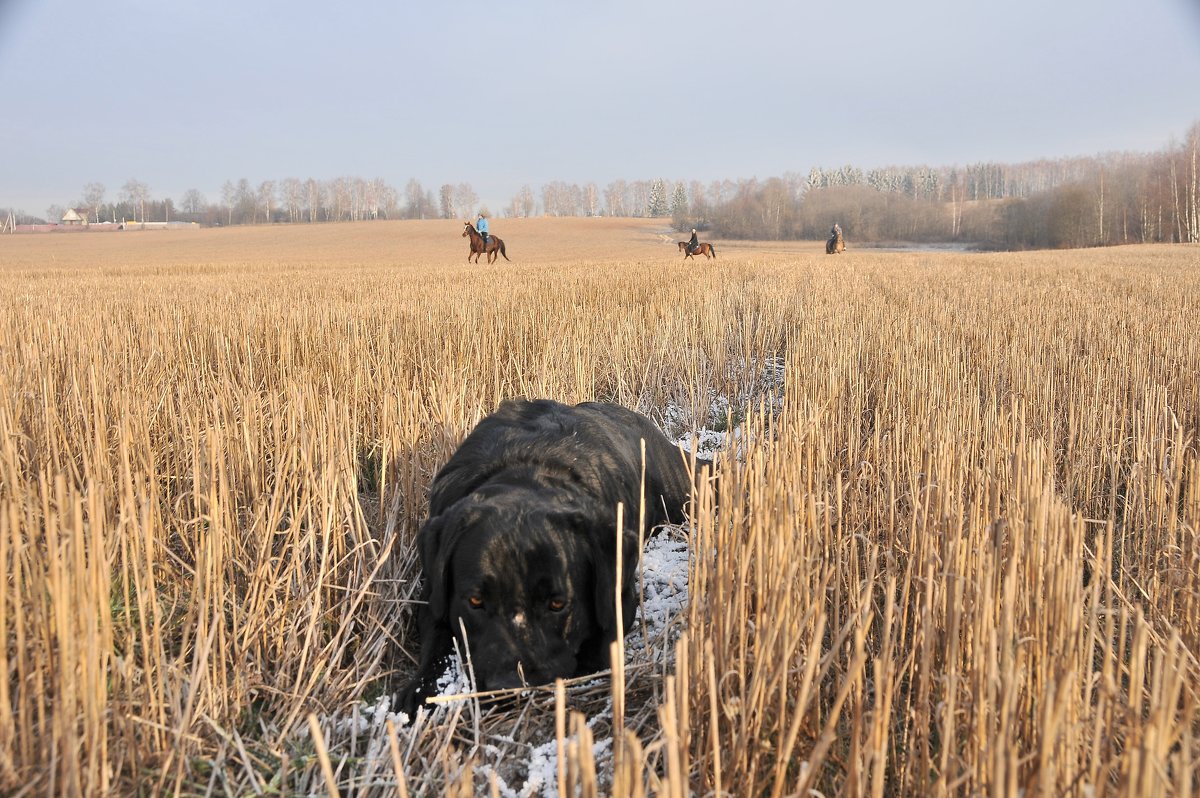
(604,560)
(429,544)
(604,601)
(435,544)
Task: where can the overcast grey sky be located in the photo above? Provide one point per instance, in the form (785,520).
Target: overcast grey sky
(498,94)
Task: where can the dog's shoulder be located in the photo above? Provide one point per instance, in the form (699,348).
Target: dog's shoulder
(591,449)
(527,440)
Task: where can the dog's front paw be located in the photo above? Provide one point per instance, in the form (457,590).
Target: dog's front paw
(412,697)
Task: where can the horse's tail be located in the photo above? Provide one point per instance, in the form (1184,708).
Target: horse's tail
(713,250)
(502,252)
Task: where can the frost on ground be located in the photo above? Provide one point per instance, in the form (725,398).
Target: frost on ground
(516,749)
(716,418)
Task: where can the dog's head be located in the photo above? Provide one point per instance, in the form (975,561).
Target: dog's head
(528,577)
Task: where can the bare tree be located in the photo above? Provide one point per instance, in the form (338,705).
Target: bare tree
(314,198)
(777,209)
(266,197)
(93,199)
(374,192)
(551,204)
(446,201)
(192,202)
(389,200)
(523,203)
(292,191)
(465,200)
(639,197)
(247,207)
(562,199)
(135,192)
(1193,214)
(615,198)
(339,197)
(417,204)
(591,200)
(228,198)
(357,196)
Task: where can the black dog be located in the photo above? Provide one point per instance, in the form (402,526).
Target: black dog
(520,545)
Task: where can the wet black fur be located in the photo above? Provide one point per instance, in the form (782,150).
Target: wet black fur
(523,517)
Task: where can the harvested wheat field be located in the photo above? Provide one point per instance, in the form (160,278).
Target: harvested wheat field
(955,550)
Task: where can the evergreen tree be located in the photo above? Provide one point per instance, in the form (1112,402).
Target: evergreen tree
(679,201)
(679,208)
(656,205)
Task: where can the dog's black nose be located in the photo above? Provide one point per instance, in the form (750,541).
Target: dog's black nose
(519,675)
(505,681)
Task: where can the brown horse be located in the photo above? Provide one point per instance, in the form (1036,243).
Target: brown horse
(494,245)
(703,248)
(835,245)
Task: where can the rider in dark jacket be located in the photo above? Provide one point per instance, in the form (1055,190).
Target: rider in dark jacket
(693,242)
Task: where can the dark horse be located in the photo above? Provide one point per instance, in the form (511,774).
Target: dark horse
(703,248)
(494,245)
(835,244)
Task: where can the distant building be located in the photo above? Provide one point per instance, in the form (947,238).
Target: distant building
(73,216)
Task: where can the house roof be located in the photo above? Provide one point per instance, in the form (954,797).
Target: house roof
(72,216)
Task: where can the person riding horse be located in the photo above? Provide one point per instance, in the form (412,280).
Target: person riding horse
(481,227)
(693,243)
(835,244)
(493,248)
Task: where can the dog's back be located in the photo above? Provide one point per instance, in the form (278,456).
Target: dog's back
(593,447)
(528,504)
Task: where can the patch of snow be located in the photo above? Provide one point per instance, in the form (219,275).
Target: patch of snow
(455,680)
(703,444)
(664,584)
(760,385)
(541,777)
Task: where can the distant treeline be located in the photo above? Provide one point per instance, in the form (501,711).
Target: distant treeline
(1070,202)
(1078,202)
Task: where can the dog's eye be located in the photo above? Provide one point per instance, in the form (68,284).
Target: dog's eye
(476,602)
(557,605)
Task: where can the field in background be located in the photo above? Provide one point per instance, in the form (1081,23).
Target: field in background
(960,556)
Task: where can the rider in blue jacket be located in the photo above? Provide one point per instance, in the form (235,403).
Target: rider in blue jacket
(482,227)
